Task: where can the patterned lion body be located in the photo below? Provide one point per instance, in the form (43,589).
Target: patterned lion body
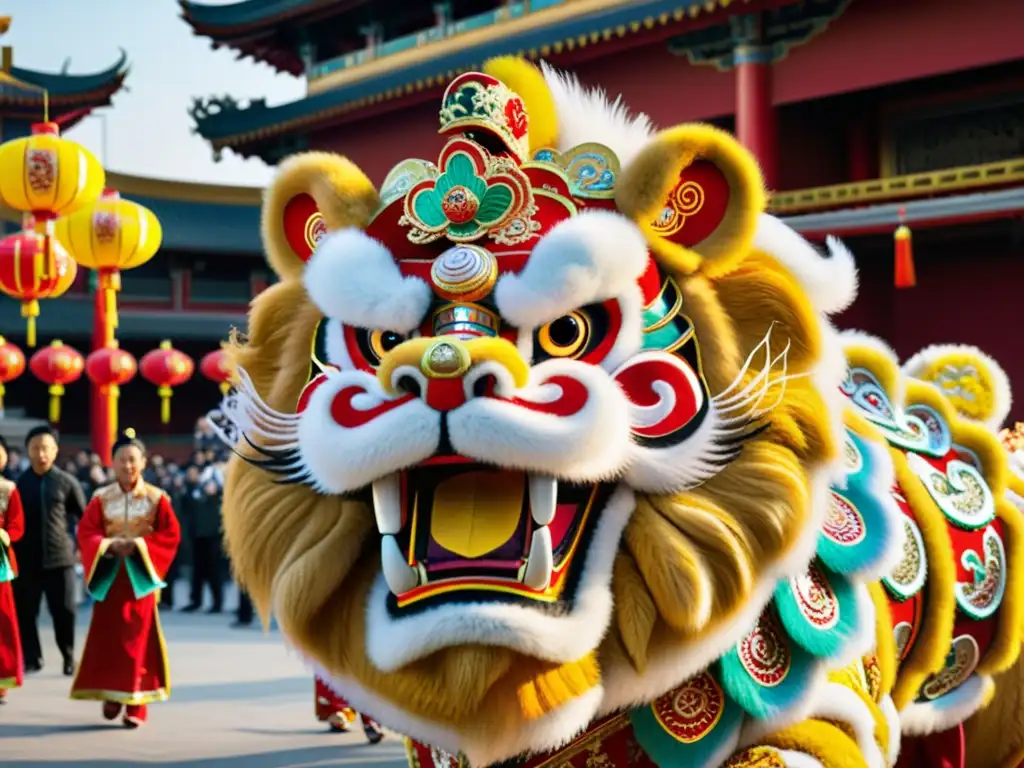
(549,453)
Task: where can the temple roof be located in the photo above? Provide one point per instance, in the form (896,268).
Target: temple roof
(70,97)
(225,123)
(253,27)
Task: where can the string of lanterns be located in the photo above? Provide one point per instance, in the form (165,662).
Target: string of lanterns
(69,220)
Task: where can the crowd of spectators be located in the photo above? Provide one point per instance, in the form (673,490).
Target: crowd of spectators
(195,488)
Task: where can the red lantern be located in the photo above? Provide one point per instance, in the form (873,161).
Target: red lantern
(12,365)
(166,368)
(215,367)
(28,273)
(109,368)
(57,365)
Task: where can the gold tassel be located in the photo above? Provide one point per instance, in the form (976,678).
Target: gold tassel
(165,404)
(56,390)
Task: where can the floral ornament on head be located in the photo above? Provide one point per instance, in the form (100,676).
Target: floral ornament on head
(482,102)
(474,193)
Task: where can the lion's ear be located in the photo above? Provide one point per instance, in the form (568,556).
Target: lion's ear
(311,195)
(975,384)
(697,194)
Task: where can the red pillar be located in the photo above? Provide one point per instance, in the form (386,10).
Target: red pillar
(755,115)
(101,412)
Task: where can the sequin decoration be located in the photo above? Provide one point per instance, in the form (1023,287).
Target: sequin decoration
(982,596)
(960,664)
(690,712)
(314,230)
(465,272)
(843,523)
(908,577)
(757,757)
(960,492)
(763,653)
(686,200)
(873,676)
(902,634)
(816,599)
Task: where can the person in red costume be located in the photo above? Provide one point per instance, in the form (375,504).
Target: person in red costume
(128,537)
(12,526)
(339,715)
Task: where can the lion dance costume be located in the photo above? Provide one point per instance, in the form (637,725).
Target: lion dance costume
(549,455)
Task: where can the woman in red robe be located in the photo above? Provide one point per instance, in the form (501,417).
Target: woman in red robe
(128,537)
(12,526)
(339,715)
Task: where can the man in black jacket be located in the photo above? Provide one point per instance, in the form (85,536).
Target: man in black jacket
(54,502)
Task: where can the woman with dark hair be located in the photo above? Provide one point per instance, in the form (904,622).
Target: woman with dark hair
(128,538)
(12,526)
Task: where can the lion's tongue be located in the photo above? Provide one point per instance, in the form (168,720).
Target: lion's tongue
(476,512)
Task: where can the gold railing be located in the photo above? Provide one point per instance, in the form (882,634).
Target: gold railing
(896,188)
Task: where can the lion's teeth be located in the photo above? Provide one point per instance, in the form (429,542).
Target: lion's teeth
(400,576)
(387,504)
(543,495)
(541,560)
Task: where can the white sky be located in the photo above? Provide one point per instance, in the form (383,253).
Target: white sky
(148,126)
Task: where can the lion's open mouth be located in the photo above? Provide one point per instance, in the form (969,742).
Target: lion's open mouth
(468,530)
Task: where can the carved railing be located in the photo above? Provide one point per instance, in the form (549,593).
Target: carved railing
(896,188)
(424,37)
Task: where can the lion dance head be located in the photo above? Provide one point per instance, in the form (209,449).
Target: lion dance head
(526,435)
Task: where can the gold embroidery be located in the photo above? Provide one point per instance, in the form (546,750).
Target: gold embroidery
(129,514)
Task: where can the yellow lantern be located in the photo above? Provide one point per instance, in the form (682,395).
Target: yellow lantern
(111,235)
(45,176)
(48,176)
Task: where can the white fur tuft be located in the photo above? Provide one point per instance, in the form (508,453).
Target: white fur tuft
(590,258)
(353,278)
(587,115)
(1001,394)
(831,281)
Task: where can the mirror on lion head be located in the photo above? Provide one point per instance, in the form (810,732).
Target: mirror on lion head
(536,415)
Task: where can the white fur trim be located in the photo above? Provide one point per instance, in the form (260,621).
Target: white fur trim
(481,748)
(341,460)
(590,445)
(353,278)
(864,640)
(839,703)
(625,688)
(955,707)
(892,719)
(588,115)
(830,282)
(1001,394)
(793,759)
(854,338)
(1015,499)
(392,643)
(586,259)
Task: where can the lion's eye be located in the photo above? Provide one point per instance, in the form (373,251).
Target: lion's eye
(565,337)
(382,342)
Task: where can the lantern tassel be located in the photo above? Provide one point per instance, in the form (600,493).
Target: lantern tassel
(30,311)
(165,404)
(55,394)
(225,387)
(3,391)
(905,275)
(113,392)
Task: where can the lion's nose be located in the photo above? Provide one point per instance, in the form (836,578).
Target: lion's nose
(438,369)
(446,359)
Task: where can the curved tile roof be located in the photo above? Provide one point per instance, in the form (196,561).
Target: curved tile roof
(60,84)
(247,14)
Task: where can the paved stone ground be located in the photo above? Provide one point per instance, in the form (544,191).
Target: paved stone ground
(239,700)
